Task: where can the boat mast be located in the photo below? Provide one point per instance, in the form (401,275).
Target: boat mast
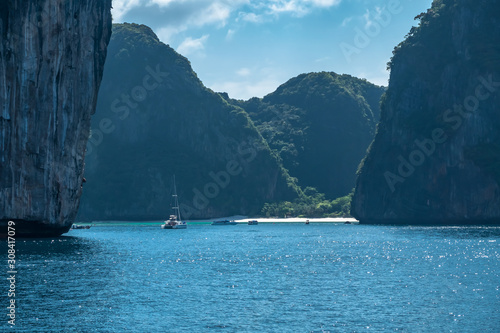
(176,203)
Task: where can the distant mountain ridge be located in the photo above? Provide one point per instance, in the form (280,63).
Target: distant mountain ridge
(155,119)
(320,124)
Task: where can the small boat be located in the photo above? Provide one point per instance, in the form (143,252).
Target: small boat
(175,222)
(307,221)
(253,222)
(224,222)
(77,226)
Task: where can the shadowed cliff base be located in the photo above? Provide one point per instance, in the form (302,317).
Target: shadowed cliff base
(433,222)
(31,229)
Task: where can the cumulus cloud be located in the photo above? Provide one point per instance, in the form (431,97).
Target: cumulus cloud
(230,34)
(299,7)
(251,82)
(346,21)
(175,16)
(246,89)
(215,12)
(324,3)
(190,45)
(243,72)
(122,7)
(180,23)
(167,33)
(295,7)
(180,12)
(250,17)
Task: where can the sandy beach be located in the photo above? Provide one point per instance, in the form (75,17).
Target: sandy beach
(301,220)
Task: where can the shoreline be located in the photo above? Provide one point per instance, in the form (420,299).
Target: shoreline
(238,219)
(301,220)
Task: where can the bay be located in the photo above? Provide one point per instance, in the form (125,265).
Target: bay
(266,278)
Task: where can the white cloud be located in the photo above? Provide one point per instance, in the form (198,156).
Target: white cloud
(166,34)
(378,80)
(246,89)
(324,59)
(368,19)
(215,13)
(293,7)
(180,15)
(250,17)
(230,34)
(379,76)
(162,2)
(243,72)
(190,46)
(324,3)
(122,7)
(299,8)
(346,21)
(251,82)
(197,12)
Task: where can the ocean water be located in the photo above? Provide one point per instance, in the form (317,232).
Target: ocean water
(264,278)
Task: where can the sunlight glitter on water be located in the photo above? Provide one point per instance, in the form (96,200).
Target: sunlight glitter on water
(265,278)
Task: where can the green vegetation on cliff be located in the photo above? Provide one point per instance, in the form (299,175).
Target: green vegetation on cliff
(155,119)
(320,125)
(436,154)
(311,204)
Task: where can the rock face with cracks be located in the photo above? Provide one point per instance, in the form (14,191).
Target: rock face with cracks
(52,54)
(155,119)
(436,155)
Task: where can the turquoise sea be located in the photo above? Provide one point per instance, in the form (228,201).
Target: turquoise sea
(265,278)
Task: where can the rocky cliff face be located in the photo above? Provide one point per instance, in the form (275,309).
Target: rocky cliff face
(321,125)
(156,119)
(52,55)
(436,155)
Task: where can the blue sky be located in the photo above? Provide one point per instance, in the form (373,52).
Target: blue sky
(248,48)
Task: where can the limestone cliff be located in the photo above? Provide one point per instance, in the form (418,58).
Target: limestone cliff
(52,55)
(436,155)
(156,119)
(320,124)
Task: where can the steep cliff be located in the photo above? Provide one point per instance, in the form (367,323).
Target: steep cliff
(320,124)
(156,119)
(52,55)
(436,154)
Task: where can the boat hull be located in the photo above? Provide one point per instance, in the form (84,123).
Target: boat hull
(224,223)
(178,226)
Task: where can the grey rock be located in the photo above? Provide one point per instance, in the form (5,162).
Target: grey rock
(52,54)
(436,155)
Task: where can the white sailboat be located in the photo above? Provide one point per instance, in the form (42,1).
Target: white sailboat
(175,222)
